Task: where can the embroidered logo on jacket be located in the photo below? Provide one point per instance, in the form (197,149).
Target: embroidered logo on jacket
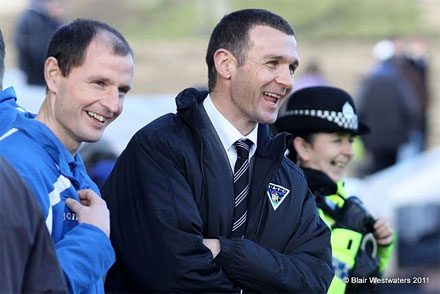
(276,194)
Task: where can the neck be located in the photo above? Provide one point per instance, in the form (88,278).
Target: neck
(221,102)
(47,116)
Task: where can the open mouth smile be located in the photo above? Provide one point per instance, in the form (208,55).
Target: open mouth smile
(272,98)
(96,116)
(338,164)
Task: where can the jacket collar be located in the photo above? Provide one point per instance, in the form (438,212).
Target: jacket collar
(269,147)
(67,164)
(7,94)
(319,182)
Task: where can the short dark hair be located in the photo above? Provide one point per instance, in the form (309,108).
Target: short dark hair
(2,59)
(232,34)
(69,43)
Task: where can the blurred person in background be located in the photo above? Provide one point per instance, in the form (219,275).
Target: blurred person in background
(388,104)
(311,76)
(204,200)
(88,72)
(414,66)
(28,260)
(324,122)
(9,108)
(33,31)
(99,160)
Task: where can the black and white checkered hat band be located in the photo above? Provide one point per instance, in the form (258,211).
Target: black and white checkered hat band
(349,121)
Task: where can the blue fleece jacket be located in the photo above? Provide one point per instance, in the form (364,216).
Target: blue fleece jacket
(84,251)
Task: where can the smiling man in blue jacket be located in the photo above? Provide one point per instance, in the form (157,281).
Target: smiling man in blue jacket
(204,200)
(88,71)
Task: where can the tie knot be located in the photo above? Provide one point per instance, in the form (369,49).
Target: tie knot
(243,147)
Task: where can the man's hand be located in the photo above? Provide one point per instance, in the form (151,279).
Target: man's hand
(213,245)
(382,232)
(91,210)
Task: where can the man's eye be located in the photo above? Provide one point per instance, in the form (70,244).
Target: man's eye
(100,83)
(123,90)
(292,69)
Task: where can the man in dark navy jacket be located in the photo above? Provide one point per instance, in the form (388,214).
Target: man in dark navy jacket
(173,194)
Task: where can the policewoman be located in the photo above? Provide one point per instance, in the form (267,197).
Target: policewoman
(324,123)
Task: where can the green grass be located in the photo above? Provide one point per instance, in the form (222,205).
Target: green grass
(311,19)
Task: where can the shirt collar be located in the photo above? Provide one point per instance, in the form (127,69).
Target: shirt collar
(226,131)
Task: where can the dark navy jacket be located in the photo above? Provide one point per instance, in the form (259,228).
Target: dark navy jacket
(28,260)
(172,187)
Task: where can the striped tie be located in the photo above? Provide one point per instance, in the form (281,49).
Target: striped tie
(241,187)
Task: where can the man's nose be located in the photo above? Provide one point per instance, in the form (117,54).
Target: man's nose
(285,77)
(111,100)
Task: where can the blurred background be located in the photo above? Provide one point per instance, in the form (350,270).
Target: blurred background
(341,43)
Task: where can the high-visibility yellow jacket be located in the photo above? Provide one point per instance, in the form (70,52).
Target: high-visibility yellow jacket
(345,243)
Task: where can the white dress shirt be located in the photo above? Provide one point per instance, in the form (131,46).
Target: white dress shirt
(227,133)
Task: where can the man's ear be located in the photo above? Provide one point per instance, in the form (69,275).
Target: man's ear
(302,148)
(52,74)
(224,63)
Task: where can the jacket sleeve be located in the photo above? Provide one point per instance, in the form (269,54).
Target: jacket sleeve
(305,268)
(85,254)
(384,253)
(156,227)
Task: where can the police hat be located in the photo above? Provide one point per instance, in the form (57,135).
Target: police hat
(320,109)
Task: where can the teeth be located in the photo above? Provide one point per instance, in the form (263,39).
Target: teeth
(96,116)
(273,95)
(339,164)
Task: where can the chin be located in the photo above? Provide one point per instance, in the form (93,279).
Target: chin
(268,120)
(336,178)
(92,139)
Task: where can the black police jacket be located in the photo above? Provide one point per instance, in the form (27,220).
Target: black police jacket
(172,186)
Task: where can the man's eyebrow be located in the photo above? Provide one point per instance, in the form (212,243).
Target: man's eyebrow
(281,57)
(274,57)
(99,78)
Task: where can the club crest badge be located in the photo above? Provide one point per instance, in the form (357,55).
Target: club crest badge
(276,194)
